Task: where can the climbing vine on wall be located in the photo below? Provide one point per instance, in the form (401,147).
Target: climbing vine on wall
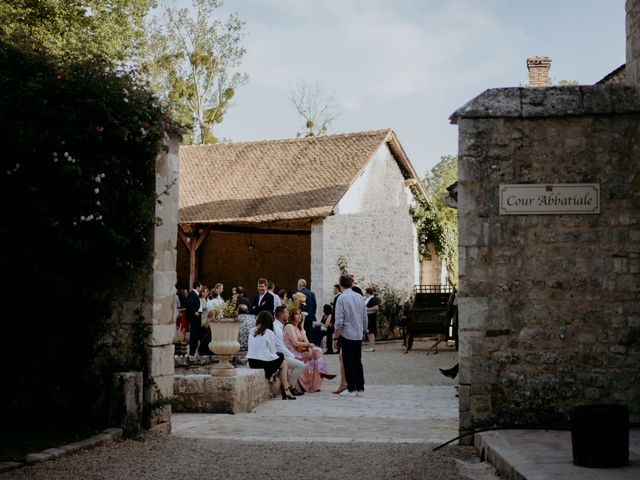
(436,223)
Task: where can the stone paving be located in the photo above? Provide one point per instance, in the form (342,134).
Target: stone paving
(387,413)
(425,411)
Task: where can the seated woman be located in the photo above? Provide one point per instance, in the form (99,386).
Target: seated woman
(295,339)
(248,322)
(262,353)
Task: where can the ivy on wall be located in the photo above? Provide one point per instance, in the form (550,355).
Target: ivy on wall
(435,222)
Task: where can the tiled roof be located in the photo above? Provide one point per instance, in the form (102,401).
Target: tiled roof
(275,180)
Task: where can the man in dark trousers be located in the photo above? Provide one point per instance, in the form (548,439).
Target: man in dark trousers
(263,300)
(310,306)
(350,328)
(192,312)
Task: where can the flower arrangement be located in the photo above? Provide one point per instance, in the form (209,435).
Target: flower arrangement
(227,310)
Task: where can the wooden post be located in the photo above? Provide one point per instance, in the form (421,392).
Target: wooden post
(192,243)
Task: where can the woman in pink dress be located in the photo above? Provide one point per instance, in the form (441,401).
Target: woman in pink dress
(295,339)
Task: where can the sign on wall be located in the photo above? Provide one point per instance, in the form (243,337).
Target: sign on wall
(558,198)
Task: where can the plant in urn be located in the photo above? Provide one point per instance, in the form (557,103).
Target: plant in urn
(224,324)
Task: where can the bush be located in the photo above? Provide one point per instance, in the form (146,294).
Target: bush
(390,312)
(78,209)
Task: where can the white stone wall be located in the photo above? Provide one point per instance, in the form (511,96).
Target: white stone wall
(371,228)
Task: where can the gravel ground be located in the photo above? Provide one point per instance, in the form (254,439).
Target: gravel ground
(156,457)
(388,365)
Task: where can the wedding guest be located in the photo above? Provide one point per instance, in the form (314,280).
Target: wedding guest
(242,298)
(295,339)
(263,354)
(192,312)
(276,299)
(373,305)
(248,322)
(351,326)
(263,300)
(310,306)
(282,293)
(295,366)
(327,323)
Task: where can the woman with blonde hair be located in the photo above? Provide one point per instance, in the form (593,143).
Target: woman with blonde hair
(315,366)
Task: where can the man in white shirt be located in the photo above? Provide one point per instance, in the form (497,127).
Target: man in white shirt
(296,366)
(276,299)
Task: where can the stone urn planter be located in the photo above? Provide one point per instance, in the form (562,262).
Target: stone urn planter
(224,343)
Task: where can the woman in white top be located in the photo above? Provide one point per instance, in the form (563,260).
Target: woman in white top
(262,352)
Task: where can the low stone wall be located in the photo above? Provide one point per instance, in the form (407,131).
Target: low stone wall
(204,393)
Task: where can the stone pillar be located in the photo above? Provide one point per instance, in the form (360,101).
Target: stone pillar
(538,71)
(548,303)
(159,388)
(632,69)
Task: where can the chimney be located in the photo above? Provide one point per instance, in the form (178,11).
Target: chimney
(538,71)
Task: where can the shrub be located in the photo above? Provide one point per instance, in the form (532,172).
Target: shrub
(78,202)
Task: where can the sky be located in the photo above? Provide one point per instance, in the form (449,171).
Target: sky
(408,64)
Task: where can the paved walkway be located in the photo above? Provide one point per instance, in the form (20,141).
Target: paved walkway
(387,413)
(547,455)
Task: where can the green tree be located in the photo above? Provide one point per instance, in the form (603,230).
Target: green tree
(76,30)
(191,59)
(436,223)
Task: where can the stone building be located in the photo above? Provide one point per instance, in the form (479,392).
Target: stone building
(549,298)
(291,209)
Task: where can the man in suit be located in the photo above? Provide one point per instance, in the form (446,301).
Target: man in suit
(241,299)
(192,312)
(310,306)
(263,300)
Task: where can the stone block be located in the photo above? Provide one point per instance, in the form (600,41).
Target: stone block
(162,335)
(473,312)
(161,388)
(161,360)
(495,102)
(551,101)
(208,394)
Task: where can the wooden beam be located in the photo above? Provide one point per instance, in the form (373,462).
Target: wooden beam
(192,243)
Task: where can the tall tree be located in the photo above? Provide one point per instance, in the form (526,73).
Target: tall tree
(72,30)
(437,223)
(191,57)
(315,106)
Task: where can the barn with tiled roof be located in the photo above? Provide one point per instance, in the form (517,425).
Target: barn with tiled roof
(289,209)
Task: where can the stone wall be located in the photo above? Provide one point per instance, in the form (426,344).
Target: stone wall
(549,305)
(143,320)
(632,70)
(371,228)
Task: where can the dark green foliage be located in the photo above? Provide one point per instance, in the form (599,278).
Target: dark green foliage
(390,312)
(78,207)
(436,223)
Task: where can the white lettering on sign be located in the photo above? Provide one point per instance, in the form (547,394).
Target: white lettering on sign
(558,198)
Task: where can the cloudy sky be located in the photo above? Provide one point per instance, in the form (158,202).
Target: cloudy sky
(408,64)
